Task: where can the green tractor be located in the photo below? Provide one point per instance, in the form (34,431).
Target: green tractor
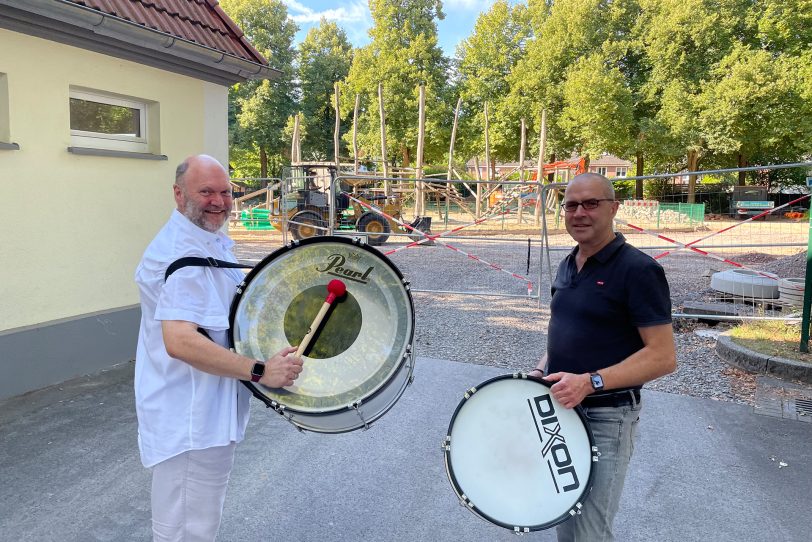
(304,205)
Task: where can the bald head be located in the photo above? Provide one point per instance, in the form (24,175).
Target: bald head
(597,181)
(200,164)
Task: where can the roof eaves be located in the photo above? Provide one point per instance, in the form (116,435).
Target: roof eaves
(134,34)
(215,5)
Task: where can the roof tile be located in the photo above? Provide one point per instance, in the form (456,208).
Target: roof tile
(199,21)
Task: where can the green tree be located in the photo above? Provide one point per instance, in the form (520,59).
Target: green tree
(484,63)
(597,113)
(755,109)
(684,41)
(402,55)
(565,34)
(325,57)
(262,108)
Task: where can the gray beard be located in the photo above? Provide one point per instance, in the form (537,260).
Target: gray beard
(198,218)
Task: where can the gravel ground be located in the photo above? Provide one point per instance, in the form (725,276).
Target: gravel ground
(510,332)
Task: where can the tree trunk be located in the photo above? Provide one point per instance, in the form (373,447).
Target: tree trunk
(383,139)
(355,134)
(742,174)
(263,163)
(337,132)
(638,184)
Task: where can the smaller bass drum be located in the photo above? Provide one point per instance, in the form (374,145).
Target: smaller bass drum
(516,457)
(359,361)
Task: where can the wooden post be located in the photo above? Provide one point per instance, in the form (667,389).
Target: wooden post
(336,132)
(383,139)
(521,173)
(487,156)
(355,133)
(451,158)
(295,149)
(419,201)
(478,211)
(540,169)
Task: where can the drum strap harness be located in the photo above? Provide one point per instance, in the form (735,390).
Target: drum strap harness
(203,262)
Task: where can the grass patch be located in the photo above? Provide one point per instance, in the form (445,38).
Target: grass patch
(771,337)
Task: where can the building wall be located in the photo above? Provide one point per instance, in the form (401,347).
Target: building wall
(75,226)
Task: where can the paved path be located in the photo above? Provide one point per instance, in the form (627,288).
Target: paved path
(702,470)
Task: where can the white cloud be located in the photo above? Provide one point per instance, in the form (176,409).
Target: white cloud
(354,12)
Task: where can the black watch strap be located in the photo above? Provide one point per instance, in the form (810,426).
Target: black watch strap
(257,371)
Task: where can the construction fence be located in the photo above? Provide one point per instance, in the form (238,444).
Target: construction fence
(731,252)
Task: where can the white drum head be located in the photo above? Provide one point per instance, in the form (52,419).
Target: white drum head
(516,457)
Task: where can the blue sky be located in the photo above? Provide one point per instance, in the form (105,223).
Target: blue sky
(353,16)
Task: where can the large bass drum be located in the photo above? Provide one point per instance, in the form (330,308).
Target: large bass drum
(516,457)
(360,360)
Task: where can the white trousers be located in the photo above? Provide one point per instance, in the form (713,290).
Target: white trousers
(188,492)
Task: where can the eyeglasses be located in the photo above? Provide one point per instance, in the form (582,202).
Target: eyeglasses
(588,204)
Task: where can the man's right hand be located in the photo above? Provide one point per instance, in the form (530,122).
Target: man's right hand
(282,369)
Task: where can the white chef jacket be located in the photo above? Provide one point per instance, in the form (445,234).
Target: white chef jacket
(180,408)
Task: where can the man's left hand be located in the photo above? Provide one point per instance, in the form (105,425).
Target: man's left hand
(570,389)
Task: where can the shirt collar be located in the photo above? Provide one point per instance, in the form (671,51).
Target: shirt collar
(606,252)
(198,233)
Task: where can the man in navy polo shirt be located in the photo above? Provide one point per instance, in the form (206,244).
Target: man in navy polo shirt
(609,333)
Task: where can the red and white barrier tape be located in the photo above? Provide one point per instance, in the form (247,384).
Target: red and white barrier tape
(772,276)
(428,237)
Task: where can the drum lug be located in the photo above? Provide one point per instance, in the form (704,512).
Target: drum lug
(280,409)
(446,444)
(470,392)
(355,406)
(595,454)
(520,530)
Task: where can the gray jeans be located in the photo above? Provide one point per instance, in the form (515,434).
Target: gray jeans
(614,430)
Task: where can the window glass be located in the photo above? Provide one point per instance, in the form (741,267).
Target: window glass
(602,171)
(108,119)
(622,171)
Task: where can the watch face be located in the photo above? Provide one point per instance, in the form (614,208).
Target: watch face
(257,371)
(597,381)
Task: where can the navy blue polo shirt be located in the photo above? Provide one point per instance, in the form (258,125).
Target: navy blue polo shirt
(595,313)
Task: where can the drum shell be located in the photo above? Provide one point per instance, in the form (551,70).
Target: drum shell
(504,474)
(348,410)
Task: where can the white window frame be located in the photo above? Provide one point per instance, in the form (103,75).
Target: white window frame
(621,171)
(601,170)
(98,140)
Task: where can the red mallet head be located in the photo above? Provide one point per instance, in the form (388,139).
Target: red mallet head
(335,289)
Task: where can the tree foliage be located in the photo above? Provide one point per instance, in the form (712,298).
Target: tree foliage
(402,55)
(325,57)
(672,83)
(262,108)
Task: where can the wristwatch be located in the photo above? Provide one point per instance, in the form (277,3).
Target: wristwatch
(597,381)
(257,371)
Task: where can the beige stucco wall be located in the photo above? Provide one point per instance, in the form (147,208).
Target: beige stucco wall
(74,227)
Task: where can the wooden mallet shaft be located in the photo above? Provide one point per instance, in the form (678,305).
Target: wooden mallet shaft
(335,289)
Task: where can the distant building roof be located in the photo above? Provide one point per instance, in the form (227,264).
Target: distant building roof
(194,37)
